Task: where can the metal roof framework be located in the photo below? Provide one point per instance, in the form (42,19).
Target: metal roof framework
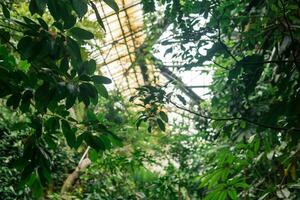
(116,54)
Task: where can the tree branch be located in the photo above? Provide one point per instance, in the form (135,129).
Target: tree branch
(234,119)
(291,35)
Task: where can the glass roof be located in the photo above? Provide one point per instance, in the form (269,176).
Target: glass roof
(116,54)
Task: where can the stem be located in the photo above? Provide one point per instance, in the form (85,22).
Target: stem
(233,119)
(291,34)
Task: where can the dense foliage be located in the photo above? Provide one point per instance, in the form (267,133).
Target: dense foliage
(241,143)
(45,73)
(253,114)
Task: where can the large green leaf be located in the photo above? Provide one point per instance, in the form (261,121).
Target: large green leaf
(81,33)
(87,92)
(37,188)
(252,69)
(26,99)
(112,4)
(88,89)
(232,193)
(55,9)
(89,67)
(43,96)
(80,7)
(26,47)
(101,79)
(94,141)
(5,36)
(163,116)
(5,11)
(71,97)
(99,20)
(161,124)
(37,6)
(14,100)
(68,133)
(102,90)
(73,49)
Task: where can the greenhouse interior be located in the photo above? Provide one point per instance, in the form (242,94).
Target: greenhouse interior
(150,99)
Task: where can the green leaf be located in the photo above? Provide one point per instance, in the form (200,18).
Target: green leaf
(115,140)
(55,9)
(52,124)
(89,66)
(80,7)
(112,4)
(81,33)
(252,68)
(139,121)
(99,20)
(5,36)
(93,155)
(163,116)
(264,196)
(37,6)
(42,96)
(27,172)
(37,188)
(37,124)
(26,99)
(149,129)
(73,49)
(168,51)
(148,6)
(25,46)
(94,142)
(64,64)
(106,141)
(88,89)
(232,193)
(242,185)
(84,77)
(70,101)
(69,21)
(43,23)
(100,79)
(14,100)
(161,124)
(214,195)
(182,99)
(45,175)
(5,11)
(79,140)
(68,133)
(223,195)
(90,115)
(102,90)
(71,98)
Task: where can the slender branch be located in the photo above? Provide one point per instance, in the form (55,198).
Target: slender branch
(290,32)
(234,119)
(227,50)
(84,155)
(222,43)
(220,65)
